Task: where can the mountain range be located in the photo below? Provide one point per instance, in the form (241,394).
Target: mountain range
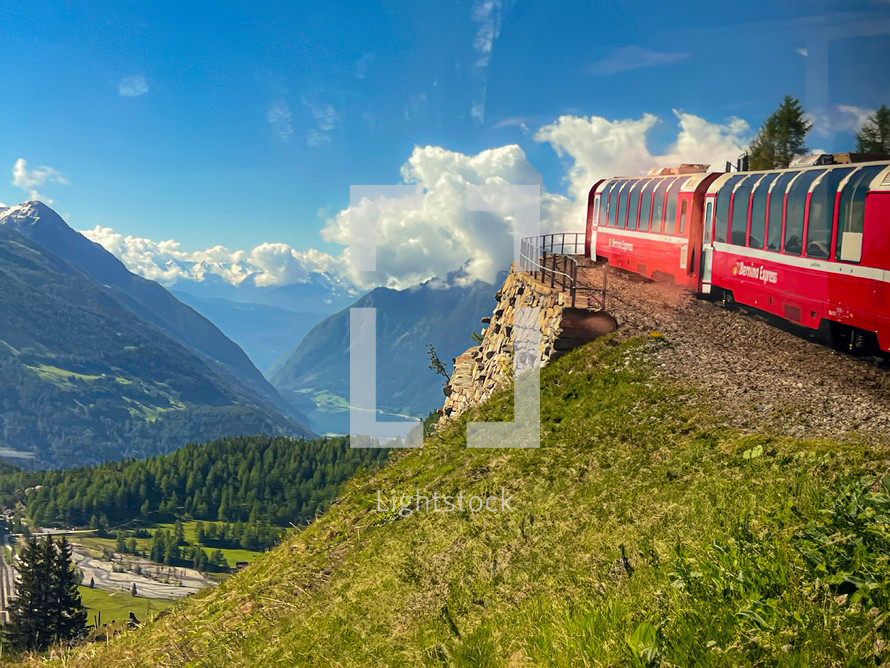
(318,293)
(265,333)
(98,363)
(441,312)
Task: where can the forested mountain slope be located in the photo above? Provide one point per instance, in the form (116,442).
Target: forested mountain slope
(83,379)
(280,480)
(145,299)
(315,376)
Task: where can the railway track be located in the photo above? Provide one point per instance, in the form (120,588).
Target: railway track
(757,375)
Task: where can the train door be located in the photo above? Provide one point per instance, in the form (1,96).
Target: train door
(593,201)
(707,254)
(683,232)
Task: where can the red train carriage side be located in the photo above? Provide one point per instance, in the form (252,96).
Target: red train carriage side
(809,245)
(650,225)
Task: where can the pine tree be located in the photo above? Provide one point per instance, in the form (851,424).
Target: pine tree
(781,137)
(199,559)
(217,560)
(874,135)
(172,553)
(47,606)
(158,546)
(29,625)
(67,611)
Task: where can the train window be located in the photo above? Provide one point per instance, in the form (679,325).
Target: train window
(633,207)
(851,214)
(722,212)
(777,210)
(646,204)
(795,209)
(613,202)
(670,205)
(622,204)
(738,228)
(758,211)
(683,217)
(709,210)
(658,205)
(821,216)
(605,219)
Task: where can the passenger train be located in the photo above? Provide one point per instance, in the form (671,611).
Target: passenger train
(808,244)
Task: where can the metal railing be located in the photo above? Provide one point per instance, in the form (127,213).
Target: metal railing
(549,258)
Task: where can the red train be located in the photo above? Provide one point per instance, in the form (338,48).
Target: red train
(810,245)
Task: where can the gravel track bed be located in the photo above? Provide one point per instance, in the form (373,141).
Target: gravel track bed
(756,374)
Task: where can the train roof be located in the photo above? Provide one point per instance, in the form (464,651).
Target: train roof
(881,180)
(691,181)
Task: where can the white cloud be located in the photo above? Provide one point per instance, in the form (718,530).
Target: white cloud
(512,121)
(279,118)
(486,15)
(279,264)
(707,143)
(30,180)
(325,119)
(166,261)
(132,86)
(854,117)
(600,148)
(413,246)
(838,118)
(633,58)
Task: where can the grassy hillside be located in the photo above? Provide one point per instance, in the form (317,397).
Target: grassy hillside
(741,548)
(107,607)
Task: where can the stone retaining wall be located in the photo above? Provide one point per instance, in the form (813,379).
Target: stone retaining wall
(482,370)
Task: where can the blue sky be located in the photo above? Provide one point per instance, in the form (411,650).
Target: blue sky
(239,123)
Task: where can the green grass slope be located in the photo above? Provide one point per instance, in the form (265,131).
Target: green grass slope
(744,549)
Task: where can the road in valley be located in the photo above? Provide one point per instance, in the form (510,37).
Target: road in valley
(164,582)
(7,578)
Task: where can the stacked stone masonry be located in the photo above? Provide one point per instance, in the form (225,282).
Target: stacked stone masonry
(482,370)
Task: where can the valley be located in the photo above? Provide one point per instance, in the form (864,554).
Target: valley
(465,334)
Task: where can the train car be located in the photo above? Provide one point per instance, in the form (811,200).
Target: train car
(809,245)
(651,225)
